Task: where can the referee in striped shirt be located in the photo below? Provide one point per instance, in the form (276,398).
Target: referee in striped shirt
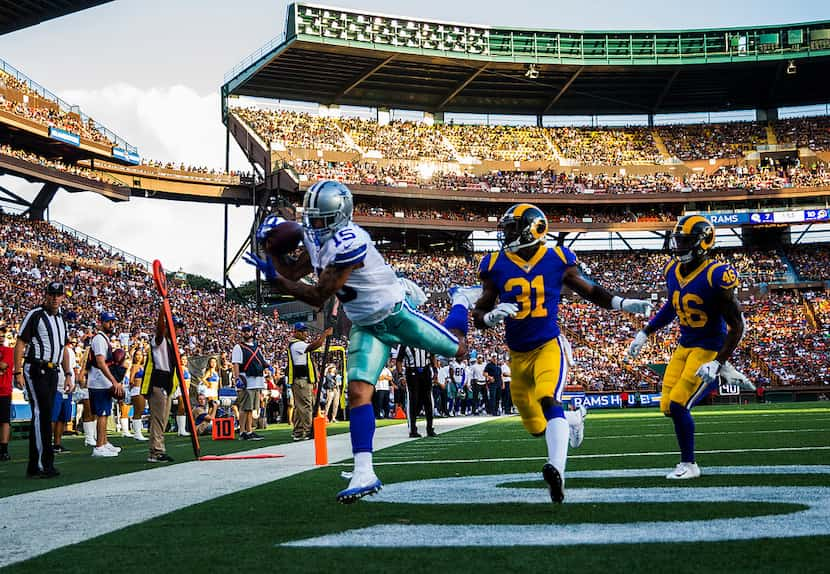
(43,340)
(420,367)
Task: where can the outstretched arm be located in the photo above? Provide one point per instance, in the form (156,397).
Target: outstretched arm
(331,280)
(599,295)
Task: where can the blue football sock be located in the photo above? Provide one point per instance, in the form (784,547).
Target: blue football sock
(362,428)
(458,319)
(553,412)
(684,428)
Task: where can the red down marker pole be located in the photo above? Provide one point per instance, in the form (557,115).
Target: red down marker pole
(160,280)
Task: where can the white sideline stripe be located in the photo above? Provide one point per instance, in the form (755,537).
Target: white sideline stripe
(161,490)
(385,462)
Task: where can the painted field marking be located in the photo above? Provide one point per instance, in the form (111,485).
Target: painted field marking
(386,461)
(812,521)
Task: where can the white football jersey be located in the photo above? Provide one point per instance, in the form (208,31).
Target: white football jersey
(372,291)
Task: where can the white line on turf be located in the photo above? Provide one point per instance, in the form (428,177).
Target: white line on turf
(812,521)
(385,461)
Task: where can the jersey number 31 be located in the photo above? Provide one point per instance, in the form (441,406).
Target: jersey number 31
(531,298)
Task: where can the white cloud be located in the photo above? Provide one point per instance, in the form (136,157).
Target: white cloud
(167,124)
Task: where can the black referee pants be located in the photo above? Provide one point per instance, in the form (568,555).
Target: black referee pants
(419,385)
(41,385)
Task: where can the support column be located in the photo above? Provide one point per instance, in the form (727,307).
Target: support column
(383,116)
(767,115)
(433,118)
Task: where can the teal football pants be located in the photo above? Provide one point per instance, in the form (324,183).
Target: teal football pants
(369,345)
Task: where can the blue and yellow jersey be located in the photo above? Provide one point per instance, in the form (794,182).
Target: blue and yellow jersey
(694,298)
(535,286)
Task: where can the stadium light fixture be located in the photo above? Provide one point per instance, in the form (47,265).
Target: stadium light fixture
(532,73)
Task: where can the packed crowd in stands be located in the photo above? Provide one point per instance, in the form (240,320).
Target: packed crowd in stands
(504,143)
(584,145)
(20,100)
(812,264)
(785,342)
(491,216)
(606,146)
(707,141)
(293,129)
(731,178)
(397,139)
(72,168)
(805,132)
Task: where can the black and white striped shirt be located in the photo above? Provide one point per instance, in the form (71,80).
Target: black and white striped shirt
(414,358)
(45,335)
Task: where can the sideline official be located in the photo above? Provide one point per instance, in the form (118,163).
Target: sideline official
(420,366)
(302,377)
(43,340)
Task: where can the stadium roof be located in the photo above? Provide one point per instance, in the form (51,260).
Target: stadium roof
(17,14)
(335,56)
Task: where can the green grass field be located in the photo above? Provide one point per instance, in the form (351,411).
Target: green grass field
(246,531)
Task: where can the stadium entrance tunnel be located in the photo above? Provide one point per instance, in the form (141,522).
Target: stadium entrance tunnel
(814,520)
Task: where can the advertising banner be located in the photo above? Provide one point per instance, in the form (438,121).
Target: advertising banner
(64,136)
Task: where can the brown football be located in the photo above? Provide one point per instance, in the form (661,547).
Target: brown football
(284,238)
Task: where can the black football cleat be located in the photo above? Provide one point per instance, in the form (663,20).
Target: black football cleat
(554,480)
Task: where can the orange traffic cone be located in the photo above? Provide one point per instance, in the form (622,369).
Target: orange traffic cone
(321,450)
(399,414)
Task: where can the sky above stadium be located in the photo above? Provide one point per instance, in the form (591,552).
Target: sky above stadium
(150,71)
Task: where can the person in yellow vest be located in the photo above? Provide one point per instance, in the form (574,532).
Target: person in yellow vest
(159,383)
(302,378)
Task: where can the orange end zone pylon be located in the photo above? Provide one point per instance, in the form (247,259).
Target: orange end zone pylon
(321,448)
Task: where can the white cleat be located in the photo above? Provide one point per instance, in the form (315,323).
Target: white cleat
(111,447)
(576,426)
(361,484)
(466,296)
(684,471)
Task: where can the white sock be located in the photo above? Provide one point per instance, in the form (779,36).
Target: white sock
(125,426)
(556,435)
(89,431)
(363,462)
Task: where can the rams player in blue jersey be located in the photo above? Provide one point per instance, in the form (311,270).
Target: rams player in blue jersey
(701,295)
(521,285)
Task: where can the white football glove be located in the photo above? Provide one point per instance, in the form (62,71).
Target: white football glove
(636,306)
(637,344)
(708,372)
(501,312)
(731,375)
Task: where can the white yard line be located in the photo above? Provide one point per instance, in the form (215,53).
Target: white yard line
(159,491)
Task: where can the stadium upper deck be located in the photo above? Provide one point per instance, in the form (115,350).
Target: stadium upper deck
(17,14)
(335,56)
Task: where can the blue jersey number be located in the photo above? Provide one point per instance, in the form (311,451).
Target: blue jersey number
(342,236)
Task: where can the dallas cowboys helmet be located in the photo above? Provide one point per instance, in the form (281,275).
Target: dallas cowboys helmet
(327,207)
(693,236)
(521,226)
